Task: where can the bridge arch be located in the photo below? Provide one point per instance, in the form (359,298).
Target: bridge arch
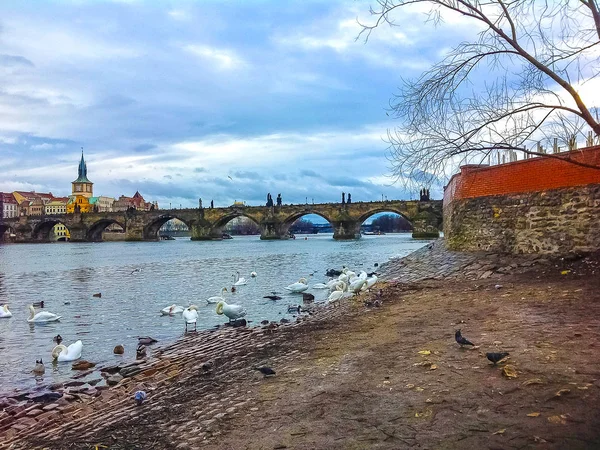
(94,233)
(290,220)
(151,228)
(383,209)
(5,228)
(41,232)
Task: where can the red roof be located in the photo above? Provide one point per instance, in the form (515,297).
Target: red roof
(7,198)
(32,195)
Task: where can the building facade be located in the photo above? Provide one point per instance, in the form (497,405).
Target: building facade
(8,206)
(31,203)
(136,202)
(105,204)
(57,205)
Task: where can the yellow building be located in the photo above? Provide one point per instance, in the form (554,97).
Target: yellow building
(60,233)
(81,199)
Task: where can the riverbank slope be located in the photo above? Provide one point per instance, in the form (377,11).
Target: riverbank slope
(360,377)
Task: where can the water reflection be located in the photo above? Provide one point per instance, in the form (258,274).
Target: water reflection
(180,272)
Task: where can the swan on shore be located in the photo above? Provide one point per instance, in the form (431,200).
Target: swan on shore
(190,316)
(70,353)
(320,286)
(41,317)
(300,286)
(237,281)
(5,313)
(170,310)
(356,285)
(233,312)
(217,298)
(337,295)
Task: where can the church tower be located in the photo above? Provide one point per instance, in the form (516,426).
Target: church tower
(82,186)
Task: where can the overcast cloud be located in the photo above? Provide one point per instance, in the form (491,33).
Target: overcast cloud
(219,100)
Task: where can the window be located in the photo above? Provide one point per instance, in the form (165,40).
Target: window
(77,188)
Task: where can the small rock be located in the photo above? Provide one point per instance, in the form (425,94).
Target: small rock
(114,379)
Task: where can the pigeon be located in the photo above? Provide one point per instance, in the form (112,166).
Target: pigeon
(139,397)
(496,357)
(461,340)
(266,371)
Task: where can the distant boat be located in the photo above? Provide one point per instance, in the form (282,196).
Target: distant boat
(373,233)
(226,236)
(167,238)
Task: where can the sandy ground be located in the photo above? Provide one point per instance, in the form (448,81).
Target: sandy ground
(393,377)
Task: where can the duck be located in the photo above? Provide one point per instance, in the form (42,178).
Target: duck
(233,289)
(190,315)
(217,298)
(170,310)
(82,365)
(119,350)
(253,274)
(41,317)
(39,368)
(39,304)
(5,313)
(140,352)
(272,297)
(237,281)
(70,353)
(146,340)
(98,295)
(233,312)
(300,286)
(58,339)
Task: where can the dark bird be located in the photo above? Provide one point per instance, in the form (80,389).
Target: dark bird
(208,366)
(139,397)
(461,340)
(266,371)
(264,322)
(146,340)
(284,321)
(140,352)
(58,339)
(233,289)
(272,297)
(39,304)
(119,349)
(295,309)
(98,295)
(307,298)
(39,368)
(496,357)
(137,269)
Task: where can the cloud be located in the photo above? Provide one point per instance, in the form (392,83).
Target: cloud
(15,61)
(223,58)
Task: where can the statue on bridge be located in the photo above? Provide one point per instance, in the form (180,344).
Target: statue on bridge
(278,199)
(349,198)
(199,203)
(424,195)
(212,204)
(269,200)
(343,198)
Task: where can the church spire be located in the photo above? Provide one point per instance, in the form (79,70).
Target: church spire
(82,171)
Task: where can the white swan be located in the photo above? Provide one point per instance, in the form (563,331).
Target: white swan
(336,295)
(217,298)
(5,313)
(170,310)
(370,282)
(356,285)
(300,286)
(237,281)
(190,315)
(70,353)
(233,312)
(343,277)
(363,275)
(320,286)
(41,317)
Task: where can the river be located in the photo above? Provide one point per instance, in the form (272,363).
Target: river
(66,275)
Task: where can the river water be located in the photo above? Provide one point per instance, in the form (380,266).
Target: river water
(66,275)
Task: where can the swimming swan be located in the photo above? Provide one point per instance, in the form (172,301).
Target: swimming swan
(41,317)
(300,286)
(320,286)
(5,313)
(170,310)
(217,298)
(233,312)
(190,316)
(70,353)
(237,281)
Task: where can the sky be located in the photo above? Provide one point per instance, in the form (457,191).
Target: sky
(219,100)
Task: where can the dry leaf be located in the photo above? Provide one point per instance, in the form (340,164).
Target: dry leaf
(426,413)
(533,414)
(500,431)
(509,371)
(564,272)
(419,389)
(410,386)
(433,367)
(424,352)
(423,363)
(562,392)
(557,420)
(533,381)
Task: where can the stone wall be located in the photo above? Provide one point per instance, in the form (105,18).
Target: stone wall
(556,221)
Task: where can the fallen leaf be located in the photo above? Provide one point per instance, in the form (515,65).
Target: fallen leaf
(426,413)
(557,420)
(424,352)
(583,388)
(419,389)
(509,371)
(433,367)
(533,414)
(562,392)
(423,363)
(564,272)
(533,381)
(410,386)
(500,431)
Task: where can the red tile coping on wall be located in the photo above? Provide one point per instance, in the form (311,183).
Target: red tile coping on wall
(527,175)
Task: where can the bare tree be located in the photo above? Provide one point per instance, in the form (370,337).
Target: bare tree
(534,55)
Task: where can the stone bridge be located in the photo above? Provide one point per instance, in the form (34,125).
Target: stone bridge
(208,223)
